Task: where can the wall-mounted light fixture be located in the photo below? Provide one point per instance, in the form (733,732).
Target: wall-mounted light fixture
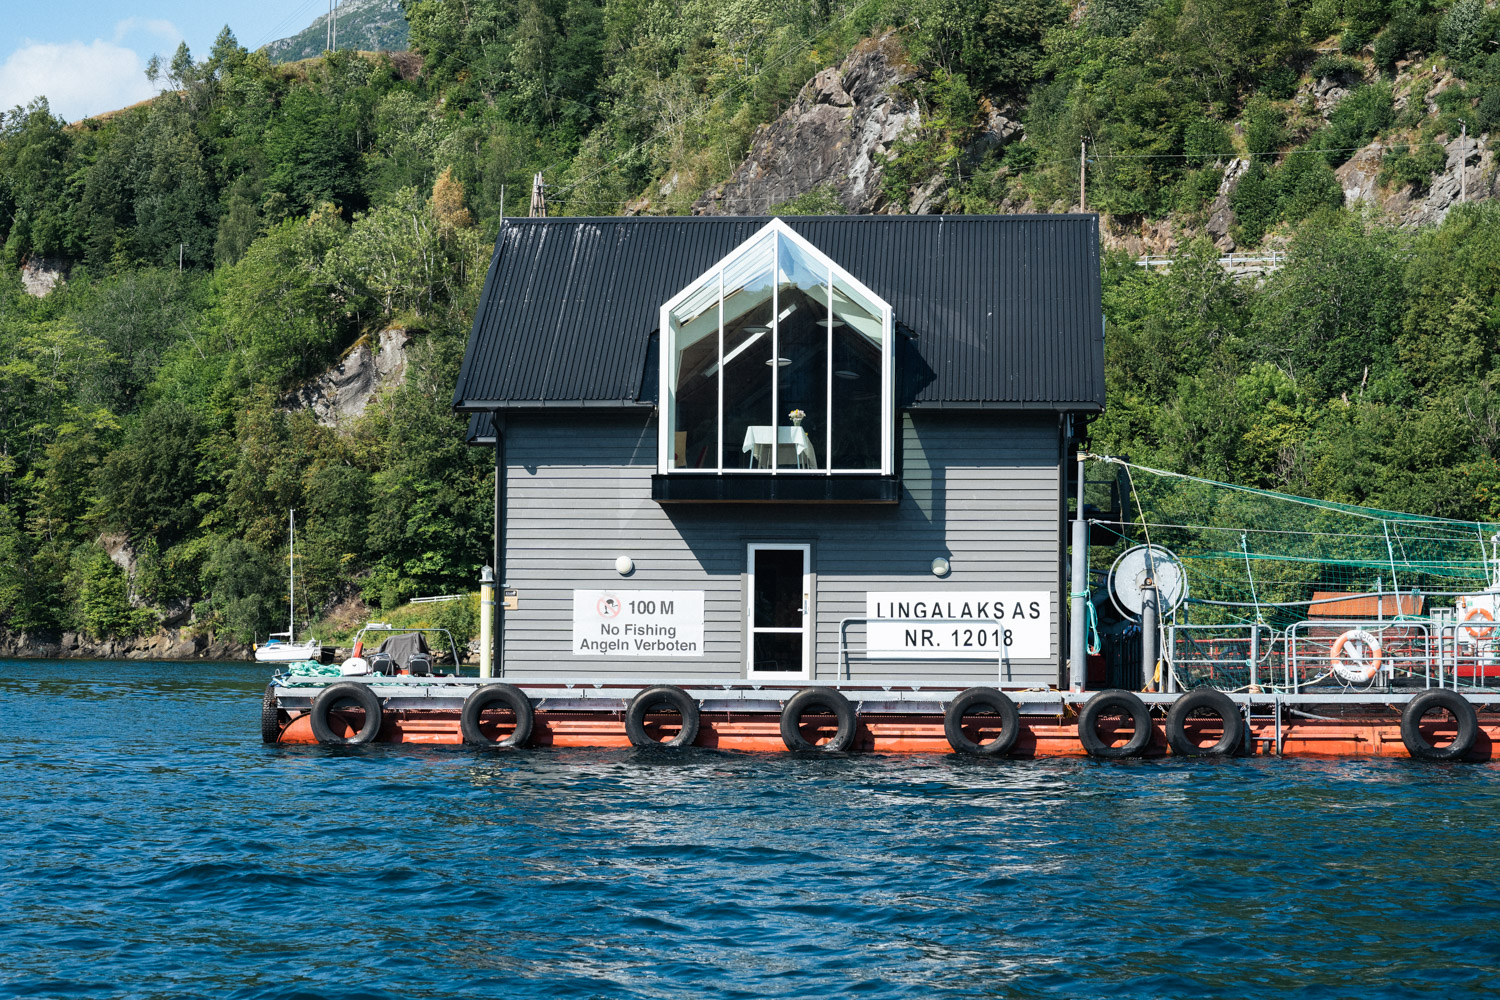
(624,565)
(940,567)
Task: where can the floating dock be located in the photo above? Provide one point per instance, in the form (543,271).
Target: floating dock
(893,718)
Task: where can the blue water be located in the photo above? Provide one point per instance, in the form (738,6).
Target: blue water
(153,847)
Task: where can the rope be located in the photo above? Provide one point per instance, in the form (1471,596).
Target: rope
(1095,645)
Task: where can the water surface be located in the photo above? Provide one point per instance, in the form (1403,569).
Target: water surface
(153,847)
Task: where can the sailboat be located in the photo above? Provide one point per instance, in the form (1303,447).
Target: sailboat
(274,649)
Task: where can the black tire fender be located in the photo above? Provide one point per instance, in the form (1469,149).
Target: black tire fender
(829,701)
(270,716)
(1088,724)
(1439,698)
(486,695)
(1218,703)
(329,698)
(671,697)
(997,702)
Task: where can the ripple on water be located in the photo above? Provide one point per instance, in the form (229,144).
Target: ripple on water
(155,848)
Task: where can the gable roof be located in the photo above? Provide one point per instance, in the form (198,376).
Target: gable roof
(991,311)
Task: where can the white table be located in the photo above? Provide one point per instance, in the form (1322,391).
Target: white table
(794,449)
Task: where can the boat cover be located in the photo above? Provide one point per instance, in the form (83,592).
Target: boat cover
(401,648)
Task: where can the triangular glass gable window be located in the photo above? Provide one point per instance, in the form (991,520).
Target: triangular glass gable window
(776,361)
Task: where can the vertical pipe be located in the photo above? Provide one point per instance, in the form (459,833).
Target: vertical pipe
(1255,658)
(499,564)
(1149,622)
(1078,591)
(486,622)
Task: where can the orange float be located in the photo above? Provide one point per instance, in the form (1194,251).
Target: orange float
(1483,632)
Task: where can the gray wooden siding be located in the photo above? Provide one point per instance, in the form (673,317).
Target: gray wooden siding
(980,490)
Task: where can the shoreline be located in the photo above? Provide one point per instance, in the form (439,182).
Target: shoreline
(180,644)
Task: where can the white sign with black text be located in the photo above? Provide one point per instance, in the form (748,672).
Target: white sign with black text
(959,625)
(615,623)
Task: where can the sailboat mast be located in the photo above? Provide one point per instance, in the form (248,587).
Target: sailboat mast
(291,576)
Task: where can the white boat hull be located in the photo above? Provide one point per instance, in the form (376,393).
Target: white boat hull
(288,652)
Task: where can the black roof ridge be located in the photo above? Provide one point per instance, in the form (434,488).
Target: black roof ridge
(1016,216)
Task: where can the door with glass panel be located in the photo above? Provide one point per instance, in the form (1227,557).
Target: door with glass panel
(779,615)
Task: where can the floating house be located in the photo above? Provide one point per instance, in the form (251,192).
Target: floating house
(785,451)
(804,483)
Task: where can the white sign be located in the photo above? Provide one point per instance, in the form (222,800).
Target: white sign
(959,625)
(615,623)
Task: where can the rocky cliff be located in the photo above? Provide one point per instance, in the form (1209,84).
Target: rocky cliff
(831,139)
(343,392)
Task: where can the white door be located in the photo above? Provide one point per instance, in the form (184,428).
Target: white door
(779,615)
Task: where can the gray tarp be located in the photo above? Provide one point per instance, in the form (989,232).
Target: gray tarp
(402,648)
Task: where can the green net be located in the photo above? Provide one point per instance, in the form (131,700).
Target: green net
(1254,554)
(1311,592)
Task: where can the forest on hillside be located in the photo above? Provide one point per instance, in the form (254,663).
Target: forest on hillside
(242,231)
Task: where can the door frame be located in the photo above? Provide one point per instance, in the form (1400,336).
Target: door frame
(808,617)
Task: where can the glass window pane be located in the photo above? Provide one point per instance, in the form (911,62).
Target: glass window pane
(803,337)
(695,379)
(858,378)
(780,651)
(748,421)
(778,588)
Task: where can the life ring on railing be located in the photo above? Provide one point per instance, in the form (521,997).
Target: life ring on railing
(1361,665)
(1483,632)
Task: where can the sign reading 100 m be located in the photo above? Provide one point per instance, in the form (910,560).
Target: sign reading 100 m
(615,623)
(959,625)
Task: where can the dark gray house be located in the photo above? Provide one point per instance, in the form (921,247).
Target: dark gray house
(730,447)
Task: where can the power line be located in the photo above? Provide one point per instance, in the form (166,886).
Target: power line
(291,18)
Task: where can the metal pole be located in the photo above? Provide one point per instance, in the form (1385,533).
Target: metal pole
(1149,622)
(1255,658)
(1077,641)
(291,576)
(486,622)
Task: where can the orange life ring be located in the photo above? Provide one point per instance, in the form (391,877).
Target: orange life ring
(1479,633)
(1361,672)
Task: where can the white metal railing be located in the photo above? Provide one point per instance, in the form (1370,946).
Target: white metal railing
(1238,262)
(1357,652)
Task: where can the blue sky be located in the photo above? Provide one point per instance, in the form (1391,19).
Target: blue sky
(89,56)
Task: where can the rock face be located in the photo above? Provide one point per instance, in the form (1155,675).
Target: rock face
(39,275)
(165,644)
(1468,174)
(344,391)
(844,119)
(1220,215)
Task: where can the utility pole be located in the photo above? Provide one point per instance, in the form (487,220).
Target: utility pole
(335,25)
(328,29)
(538,197)
(180,248)
(1083,168)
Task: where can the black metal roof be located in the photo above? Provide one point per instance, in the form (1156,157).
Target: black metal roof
(991,311)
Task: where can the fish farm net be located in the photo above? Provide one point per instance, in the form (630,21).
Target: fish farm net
(1292,570)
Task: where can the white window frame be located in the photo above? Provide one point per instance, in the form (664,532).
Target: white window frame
(808,637)
(667,383)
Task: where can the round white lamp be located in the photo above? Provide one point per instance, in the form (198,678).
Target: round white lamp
(940,567)
(624,565)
